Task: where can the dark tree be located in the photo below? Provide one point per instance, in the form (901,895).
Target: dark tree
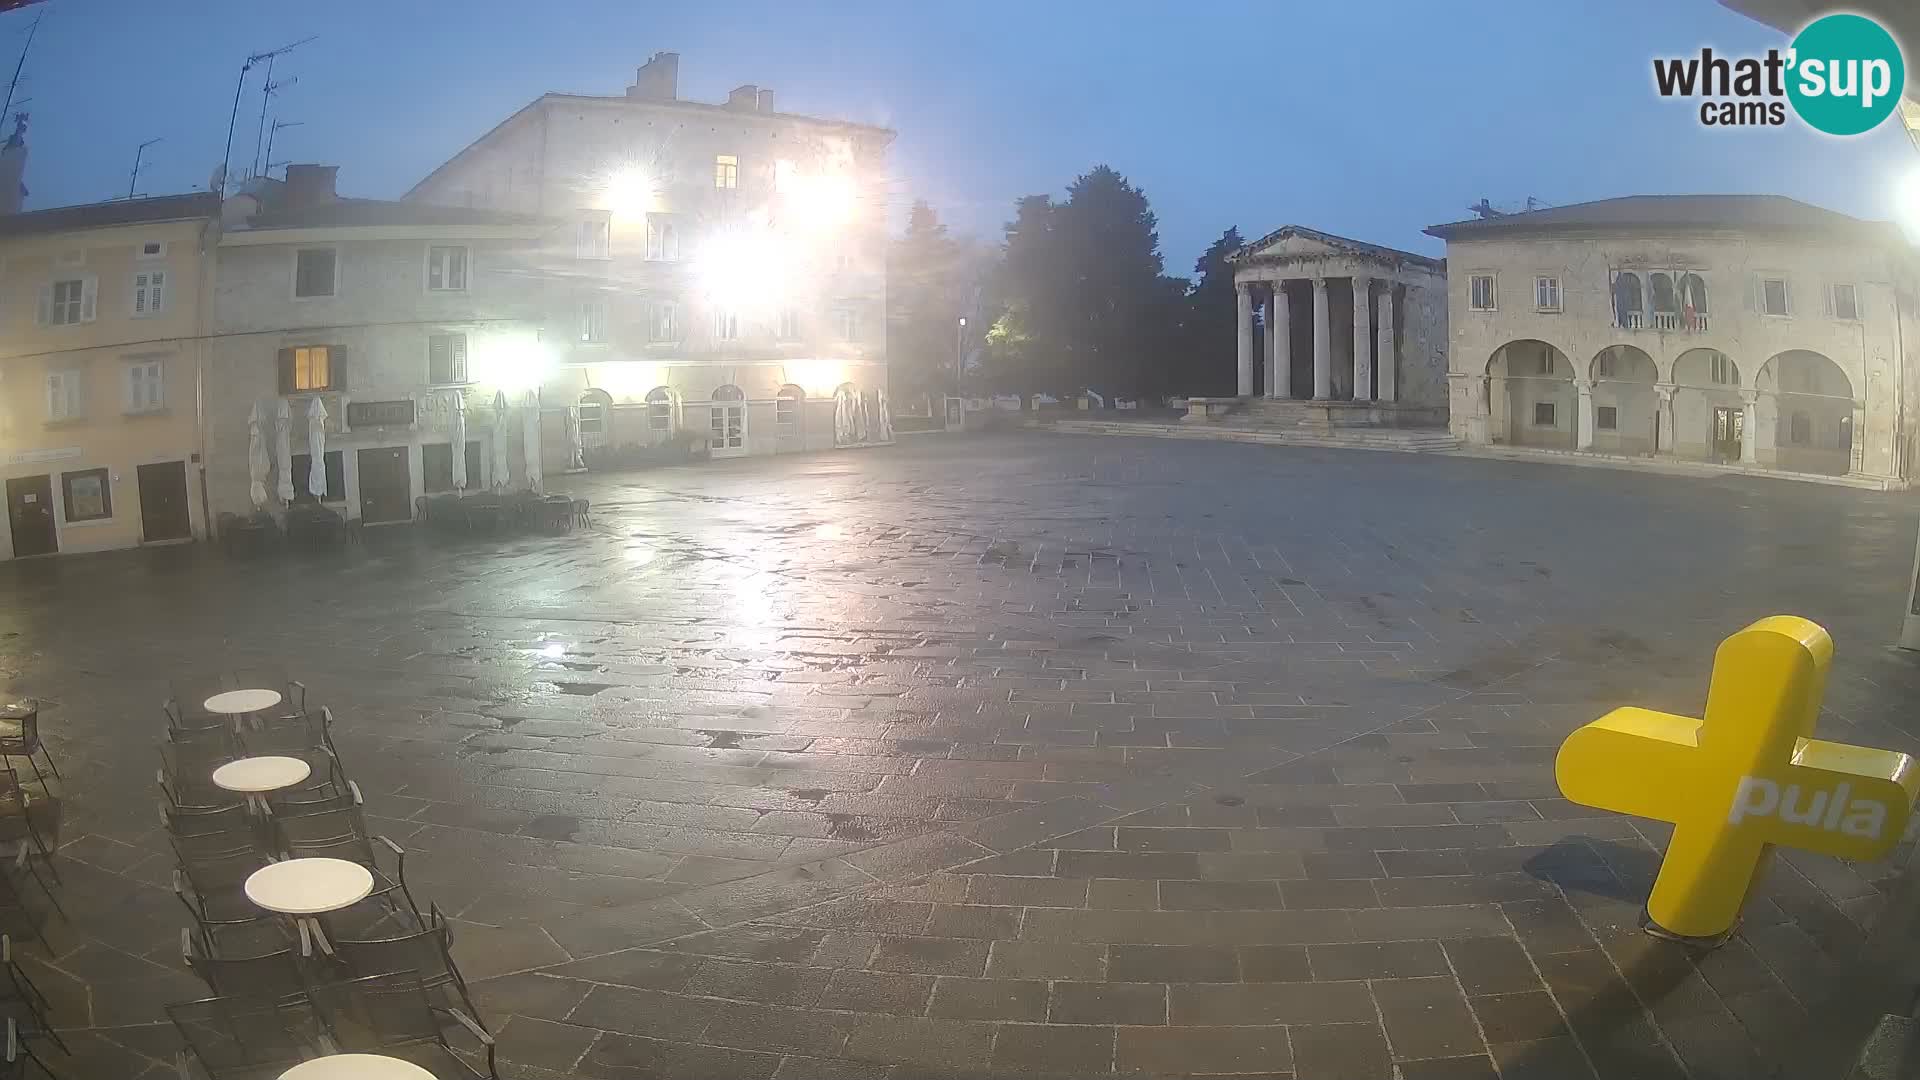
(1114,312)
(1210,362)
(926,293)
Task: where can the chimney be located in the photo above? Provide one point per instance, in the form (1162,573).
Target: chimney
(745,98)
(13,167)
(764,102)
(658,79)
(309,185)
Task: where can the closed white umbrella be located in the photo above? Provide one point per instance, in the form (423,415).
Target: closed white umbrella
(576,450)
(282,449)
(257,463)
(530,438)
(459,442)
(885,420)
(502,469)
(317,449)
(842,419)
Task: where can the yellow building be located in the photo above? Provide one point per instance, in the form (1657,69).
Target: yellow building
(100,312)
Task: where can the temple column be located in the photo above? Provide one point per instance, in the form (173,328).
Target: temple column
(1322,345)
(1386,361)
(1245,296)
(1280,332)
(1362,338)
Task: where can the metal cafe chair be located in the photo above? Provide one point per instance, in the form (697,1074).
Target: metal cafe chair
(269,976)
(213,889)
(202,833)
(18,1053)
(11,898)
(186,774)
(425,952)
(21,996)
(392,1015)
(17,819)
(20,737)
(341,833)
(239,1038)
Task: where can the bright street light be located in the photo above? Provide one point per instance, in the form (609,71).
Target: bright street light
(1906,201)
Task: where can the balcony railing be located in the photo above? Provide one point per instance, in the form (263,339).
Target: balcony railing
(1666,320)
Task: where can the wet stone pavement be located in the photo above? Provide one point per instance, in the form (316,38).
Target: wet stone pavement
(1012,756)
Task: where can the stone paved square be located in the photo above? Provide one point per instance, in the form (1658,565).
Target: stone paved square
(1025,755)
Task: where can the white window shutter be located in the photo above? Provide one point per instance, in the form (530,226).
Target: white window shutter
(56,395)
(156,290)
(1786,291)
(1827,293)
(459,358)
(89,292)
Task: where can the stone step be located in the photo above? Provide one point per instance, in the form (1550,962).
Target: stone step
(1415,440)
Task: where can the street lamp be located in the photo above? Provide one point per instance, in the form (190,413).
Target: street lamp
(959,352)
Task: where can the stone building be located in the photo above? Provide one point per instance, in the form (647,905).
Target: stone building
(721,274)
(1348,333)
(387,324)
(99,366)
(1735,328)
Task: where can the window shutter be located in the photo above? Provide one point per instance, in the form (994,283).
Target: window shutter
(88,293)
(286,371)
(1786,291)
(1827,294)
(45,313)
(337,368)
(459,358)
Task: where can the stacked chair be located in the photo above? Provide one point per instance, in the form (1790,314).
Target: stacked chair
(390,987)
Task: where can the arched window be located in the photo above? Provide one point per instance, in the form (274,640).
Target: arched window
(786,409)
(1693,292)
(1628,302)
(727,421)
(659,409)
(594,406)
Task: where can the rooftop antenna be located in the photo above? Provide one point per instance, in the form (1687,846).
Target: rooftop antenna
(266,94)
(1484,209)
(226,160)
(274,129)
(138,153)
(21,63)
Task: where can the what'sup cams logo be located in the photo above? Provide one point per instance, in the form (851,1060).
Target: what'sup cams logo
(1843,75)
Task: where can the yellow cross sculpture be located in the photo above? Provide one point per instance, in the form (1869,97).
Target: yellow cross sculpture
(1745,778)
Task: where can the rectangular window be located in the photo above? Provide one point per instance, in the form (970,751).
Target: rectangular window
(593,418)
(87,495)
(68,302)
(786,413)
(726,172)
(659,413)
(1846,303)
(446,358)
(1603,367)
(446,268)
(1480,292)
(153,249)
(337,474)
(149,292)
(595,239)
(663,322)
(1606,417)
(663,238)
(726,325)
(307,368)
(789,326)
(145,389)
(66,395)
(1543,414)
(593,320)
(845,324)
(1546,293)
(1773,296)
(1722,370)
(315,272)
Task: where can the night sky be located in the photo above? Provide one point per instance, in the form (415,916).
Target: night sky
(1367,120)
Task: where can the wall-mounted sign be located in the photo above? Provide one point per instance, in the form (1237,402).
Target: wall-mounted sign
(379,413)
(31,457)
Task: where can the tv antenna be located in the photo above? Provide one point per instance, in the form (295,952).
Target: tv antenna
(14,85)
(267,158)
(138,153)
(266,95)
(226,160)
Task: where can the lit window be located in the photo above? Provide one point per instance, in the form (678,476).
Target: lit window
(1480,292)
(446,358)
(149,292)
(1606,417)
(1543,414)
(593,320)
(66,395)
(726,172)
(88,497)
(1846,303)
(663,238)
(145,389)
(315,271)
(67,303)
(595,239)
(308,368)
(446,268)
(726,325)
(1546,293)
(1773,296)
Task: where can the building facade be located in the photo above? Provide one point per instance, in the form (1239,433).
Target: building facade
(402,337)
(100,312)
(1356,330)
(720,275)
(1740,329)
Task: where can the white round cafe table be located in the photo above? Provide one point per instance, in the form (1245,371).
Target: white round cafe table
(304,888)
(255,776)
(356,1067)
(242,702)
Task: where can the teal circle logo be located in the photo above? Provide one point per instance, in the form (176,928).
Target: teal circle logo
(1845,74)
